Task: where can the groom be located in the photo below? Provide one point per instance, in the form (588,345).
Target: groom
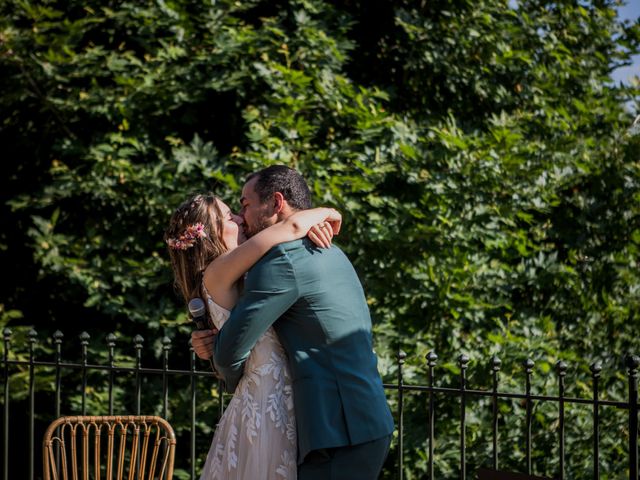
(314,300)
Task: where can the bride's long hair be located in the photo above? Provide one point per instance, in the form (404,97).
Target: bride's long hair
(194,238)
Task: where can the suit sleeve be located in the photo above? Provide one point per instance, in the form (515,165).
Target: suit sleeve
(269,290)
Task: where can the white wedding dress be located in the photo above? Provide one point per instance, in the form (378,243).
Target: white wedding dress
(256,436)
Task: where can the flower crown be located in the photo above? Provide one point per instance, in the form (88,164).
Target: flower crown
(188,238)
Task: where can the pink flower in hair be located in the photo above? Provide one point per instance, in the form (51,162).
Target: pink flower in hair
(188,239)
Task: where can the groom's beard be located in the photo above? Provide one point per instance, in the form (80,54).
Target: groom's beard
(260,225)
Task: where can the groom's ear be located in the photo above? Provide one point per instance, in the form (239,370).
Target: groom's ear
(278,203)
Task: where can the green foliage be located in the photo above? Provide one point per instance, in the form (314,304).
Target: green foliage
(479,152)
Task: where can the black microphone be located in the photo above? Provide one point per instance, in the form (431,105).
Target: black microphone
(199,317)
(198,313)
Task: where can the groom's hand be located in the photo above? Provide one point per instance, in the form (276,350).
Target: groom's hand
(202,342)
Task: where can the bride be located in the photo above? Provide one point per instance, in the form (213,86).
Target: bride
(256,436)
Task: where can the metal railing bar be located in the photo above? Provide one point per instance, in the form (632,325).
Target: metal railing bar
(221,394)
(495,367)
(5,433)
(463,361)
(596,368)
(192,447)
(137,341)
(520,396)
(431,361)
(166,346)
(116,368)
(562,371)
(633,362)
(400,358)
(32,401)
(57,338)
(84,342)
(111,345)
(528,364)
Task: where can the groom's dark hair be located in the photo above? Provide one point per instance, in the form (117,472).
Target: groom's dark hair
(287,181)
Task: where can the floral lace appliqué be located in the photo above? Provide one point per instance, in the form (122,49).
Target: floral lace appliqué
(256,437)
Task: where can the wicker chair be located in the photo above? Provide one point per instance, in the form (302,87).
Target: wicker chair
(86,446)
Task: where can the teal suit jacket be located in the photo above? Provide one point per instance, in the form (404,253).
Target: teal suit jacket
(315,302)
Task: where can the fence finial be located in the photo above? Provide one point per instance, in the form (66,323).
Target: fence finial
(529,364)
(463,361)
(633,362)
(432,358)
(496,363)
(561,368)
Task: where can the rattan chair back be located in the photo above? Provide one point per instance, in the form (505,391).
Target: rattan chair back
(109,448)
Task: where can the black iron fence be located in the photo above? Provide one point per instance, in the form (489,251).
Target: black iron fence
(24,360)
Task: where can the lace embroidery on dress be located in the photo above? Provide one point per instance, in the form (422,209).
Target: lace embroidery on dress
(256,437)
